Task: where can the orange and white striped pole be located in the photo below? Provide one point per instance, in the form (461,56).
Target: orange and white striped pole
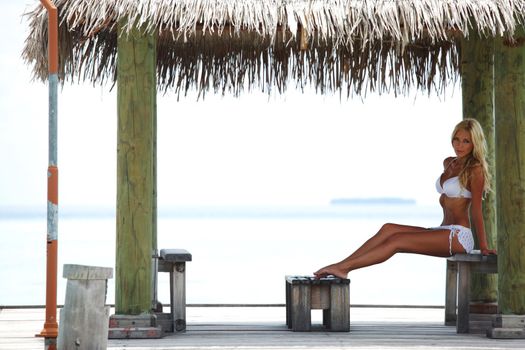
(50,331)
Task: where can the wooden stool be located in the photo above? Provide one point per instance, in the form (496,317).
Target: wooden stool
(459,268)
(174,262)
(331,294)
(85,315)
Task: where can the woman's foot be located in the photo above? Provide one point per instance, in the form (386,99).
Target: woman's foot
(333,269)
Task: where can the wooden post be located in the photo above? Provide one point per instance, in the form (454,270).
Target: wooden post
(301,307)
(477,85)
(84,318)
(451,293)
(136,85)
(339,316)
(154,251)
(510,153)
(462,320)
(178,296)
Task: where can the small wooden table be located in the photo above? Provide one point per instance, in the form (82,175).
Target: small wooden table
(459,268)
(174,262)
(331,294)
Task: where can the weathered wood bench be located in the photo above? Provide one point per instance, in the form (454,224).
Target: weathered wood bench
(174,262)
(457,292)
(332,295)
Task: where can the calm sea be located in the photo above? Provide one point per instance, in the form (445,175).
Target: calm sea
(240,255)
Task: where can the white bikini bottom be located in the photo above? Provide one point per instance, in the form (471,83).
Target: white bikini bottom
(463,233)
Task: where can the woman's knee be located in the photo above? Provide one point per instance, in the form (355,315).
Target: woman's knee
(389,228)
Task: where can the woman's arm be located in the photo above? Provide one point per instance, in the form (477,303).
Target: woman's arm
(477,182)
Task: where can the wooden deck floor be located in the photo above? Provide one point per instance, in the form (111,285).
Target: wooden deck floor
(264,328)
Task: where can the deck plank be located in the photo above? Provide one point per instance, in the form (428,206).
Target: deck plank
(211,328)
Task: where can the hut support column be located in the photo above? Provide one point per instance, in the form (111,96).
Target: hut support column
(477,83)
(510,180)
(136,170)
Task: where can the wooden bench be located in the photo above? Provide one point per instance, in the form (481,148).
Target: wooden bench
(174,262)
(459,268)
(332,295)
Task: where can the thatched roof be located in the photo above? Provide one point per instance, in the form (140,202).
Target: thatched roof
(233,45)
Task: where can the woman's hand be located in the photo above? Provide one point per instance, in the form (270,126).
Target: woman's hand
(488,251)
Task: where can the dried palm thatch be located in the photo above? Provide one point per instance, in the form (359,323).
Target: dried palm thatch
(234,45)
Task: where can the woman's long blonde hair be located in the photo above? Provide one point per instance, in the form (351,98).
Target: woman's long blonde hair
(478,155)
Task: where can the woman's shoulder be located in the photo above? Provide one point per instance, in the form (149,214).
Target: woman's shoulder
(447,161)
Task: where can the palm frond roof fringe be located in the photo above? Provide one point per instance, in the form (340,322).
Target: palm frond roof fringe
(229,46)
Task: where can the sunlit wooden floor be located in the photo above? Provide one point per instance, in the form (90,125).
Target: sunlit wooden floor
(264,328)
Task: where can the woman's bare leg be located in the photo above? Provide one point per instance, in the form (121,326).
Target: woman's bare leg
(386,231)
(427,242)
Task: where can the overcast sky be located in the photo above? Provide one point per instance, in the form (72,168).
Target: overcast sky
(296,149)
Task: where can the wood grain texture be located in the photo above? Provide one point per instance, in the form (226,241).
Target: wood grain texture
(264,328)
(457,290)
(136,217)
(339,314)
(510,175)
(84,318)
(178,296)
(477,86)
(301,307)
(451,288)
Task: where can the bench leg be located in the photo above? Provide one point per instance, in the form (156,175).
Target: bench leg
(326,319)
(300,308)
(288,308)
(339,312)
(178,296)
(462,325)
(451,290)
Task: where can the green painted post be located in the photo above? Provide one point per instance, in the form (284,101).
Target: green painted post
(477,85)
(510,153)
(136,155)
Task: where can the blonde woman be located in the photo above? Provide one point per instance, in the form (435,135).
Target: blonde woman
(464,180)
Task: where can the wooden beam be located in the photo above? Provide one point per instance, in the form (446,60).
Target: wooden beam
(477,86)
(136,217)
(510,175)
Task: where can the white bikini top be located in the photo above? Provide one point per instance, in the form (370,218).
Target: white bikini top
(452,188)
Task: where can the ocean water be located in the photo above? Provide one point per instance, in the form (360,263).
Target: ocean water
(240,255)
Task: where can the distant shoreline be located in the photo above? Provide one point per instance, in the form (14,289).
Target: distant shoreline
(373,201)
(337,208)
